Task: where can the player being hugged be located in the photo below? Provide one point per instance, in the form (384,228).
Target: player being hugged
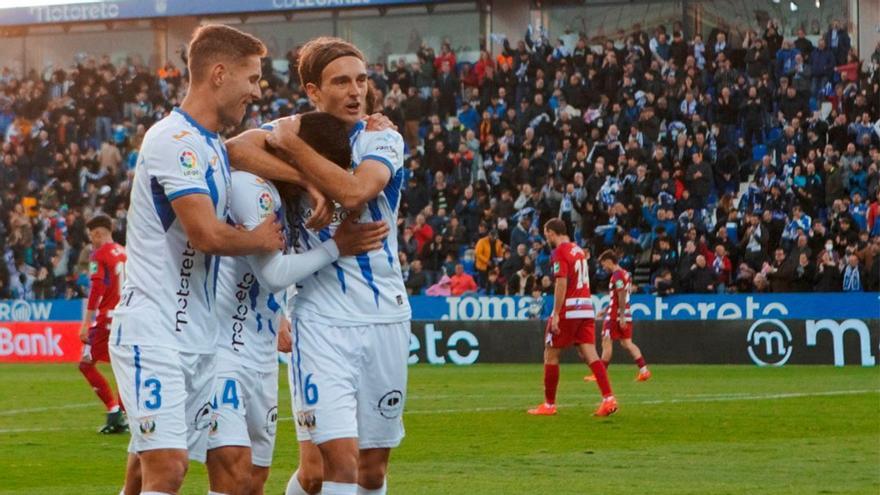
(572,321)
(251,300)
(106,272)
(618,317)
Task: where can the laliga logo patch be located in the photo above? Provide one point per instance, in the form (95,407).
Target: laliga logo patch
(188,163)
(266,202)
(391,404)
(147,426)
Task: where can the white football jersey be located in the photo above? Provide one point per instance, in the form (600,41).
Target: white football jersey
(357,289)
(170,287)
(248,313)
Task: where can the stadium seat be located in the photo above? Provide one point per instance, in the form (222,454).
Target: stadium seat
(758,152)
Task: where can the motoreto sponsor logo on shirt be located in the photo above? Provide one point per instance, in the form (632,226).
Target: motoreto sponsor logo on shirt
(242,294)
(183,293)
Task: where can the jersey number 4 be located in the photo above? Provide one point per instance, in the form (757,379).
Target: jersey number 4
(583,273)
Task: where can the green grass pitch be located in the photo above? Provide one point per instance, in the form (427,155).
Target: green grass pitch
(690,430)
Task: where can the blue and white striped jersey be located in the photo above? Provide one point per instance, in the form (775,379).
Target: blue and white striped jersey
(362,289)
(170,287)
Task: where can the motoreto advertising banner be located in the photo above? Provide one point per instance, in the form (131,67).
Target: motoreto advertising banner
(759,329)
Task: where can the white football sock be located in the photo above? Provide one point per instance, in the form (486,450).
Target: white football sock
(378,491)
(294,487)
(215,493)
(333,488)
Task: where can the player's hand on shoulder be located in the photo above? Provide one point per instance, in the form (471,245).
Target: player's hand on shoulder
(322,209)
(283,131)
(379,122)
(269,235)
(355,238)
(285,343)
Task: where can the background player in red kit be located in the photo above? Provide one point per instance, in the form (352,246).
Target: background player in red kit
(107,271)
(618,316)
(572,321)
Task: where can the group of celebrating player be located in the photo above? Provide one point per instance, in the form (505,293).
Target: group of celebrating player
(219,259)
(573,321)
(290,252)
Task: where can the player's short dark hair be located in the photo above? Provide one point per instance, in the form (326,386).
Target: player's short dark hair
(213,42)
(328,135)
(557,226)
(318,53)
(609,255)
(100,221)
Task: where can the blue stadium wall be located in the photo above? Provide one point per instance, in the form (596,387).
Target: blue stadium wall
(752,329)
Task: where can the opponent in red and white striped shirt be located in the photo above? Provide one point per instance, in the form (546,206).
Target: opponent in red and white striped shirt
(573,320)
(618,316)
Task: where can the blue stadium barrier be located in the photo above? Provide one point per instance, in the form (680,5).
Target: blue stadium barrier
(705,307)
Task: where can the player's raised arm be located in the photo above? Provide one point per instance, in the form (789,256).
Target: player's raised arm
(209,235)
(351,190)
(279,271)
(248,151)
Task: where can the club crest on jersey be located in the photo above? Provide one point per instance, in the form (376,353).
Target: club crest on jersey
(555,267)
(189,164)
(147,426)
(306,419)
(93,267)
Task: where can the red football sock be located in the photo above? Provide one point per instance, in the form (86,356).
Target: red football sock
(551,381)
(119,401)
(606,363)
(640,362)
(601,377)
(99,384)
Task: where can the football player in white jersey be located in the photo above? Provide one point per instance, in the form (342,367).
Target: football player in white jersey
(251,296)
(164,334)
(352,321)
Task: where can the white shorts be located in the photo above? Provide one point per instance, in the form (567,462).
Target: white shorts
(167,396)
(246,401)
(349,382)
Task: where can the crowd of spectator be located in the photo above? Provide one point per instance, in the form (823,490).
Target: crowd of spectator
(708,167)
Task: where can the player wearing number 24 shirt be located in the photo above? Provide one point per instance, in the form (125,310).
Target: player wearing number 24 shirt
(572,321)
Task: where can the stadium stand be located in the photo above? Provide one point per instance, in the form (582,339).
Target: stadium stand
(709,167)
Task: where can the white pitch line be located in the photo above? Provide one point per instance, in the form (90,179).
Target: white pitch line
(83,405)
(39,430)
(708,398)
